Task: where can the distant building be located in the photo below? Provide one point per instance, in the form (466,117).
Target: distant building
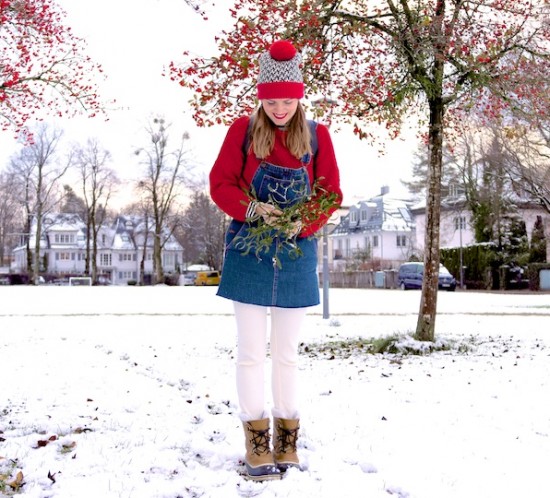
(388,231)
(380,229)
(455,228)
(456,221)
(120,248)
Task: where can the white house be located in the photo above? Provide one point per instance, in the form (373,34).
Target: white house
(456,222)
(389,231)
(455,225)
(120,248)
(379,229)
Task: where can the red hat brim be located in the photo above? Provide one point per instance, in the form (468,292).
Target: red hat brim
(280,90)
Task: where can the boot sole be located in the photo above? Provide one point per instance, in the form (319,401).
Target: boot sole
(283,466)
(272,476)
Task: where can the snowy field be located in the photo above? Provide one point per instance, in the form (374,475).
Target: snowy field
(130,392)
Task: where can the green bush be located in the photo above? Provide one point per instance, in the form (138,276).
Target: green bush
(477,260)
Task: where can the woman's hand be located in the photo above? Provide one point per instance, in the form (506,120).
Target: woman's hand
(294,229)
(268,212)
(274,217)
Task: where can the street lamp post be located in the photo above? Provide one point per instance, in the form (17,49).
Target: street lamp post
(326,277)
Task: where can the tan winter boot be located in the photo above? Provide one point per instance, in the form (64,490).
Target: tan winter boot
(285,436)
(259,458)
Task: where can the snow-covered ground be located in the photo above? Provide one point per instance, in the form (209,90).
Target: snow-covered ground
(129,392)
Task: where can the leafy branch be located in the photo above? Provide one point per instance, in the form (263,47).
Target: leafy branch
(283,230)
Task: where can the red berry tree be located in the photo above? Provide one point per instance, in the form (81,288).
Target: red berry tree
(42,65)
(439,61)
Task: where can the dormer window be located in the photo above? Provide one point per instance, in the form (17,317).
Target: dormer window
(64,238)
(454,190)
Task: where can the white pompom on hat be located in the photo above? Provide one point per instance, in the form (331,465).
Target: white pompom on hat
(280,75)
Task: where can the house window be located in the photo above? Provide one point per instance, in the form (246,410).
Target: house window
(126,275)
(64,238)
(126,256)
(401,241)
(375,241)
(364,213)
(454,190)
(460,222)
(105,259)
(168,259)
(353,217)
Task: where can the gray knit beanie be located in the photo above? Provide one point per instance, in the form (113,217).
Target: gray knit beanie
(280,75)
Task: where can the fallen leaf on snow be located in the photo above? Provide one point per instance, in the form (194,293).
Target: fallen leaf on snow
(17,482)
(43,442)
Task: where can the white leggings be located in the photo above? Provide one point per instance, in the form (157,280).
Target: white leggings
(251,358)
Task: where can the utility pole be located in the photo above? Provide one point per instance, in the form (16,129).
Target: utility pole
(326,275)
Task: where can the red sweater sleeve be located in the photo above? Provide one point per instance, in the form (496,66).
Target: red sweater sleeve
(327,174)
(227,186)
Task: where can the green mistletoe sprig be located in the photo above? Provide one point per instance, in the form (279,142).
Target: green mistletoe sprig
(282,232)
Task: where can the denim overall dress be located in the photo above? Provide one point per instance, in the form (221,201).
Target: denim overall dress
(253,278)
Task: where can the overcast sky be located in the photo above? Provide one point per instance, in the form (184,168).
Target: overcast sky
(134,40)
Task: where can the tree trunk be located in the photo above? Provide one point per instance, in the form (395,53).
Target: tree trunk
(425,328)
(157,258)
(94,247)
(28,228)
(88,249)
(39,210)
(36,256)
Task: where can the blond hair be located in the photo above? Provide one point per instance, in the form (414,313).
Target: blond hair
(298,137)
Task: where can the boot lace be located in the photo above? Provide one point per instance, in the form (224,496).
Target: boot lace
(259,440)
(287,439)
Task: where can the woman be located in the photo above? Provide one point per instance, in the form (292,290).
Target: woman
(270,165)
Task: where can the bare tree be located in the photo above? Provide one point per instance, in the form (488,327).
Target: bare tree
(203,229)
(142,208)
(98,182)
(38,174)
(9,211)
(528,159)
(164,178)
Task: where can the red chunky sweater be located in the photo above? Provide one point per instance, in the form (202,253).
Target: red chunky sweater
(229,181)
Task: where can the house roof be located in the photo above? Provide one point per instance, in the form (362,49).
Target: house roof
(380,213)
(122,234)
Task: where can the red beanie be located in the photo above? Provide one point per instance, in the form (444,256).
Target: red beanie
(280,76)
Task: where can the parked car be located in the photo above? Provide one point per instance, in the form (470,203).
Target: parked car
(208,278)
(188,278)
(410,276)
